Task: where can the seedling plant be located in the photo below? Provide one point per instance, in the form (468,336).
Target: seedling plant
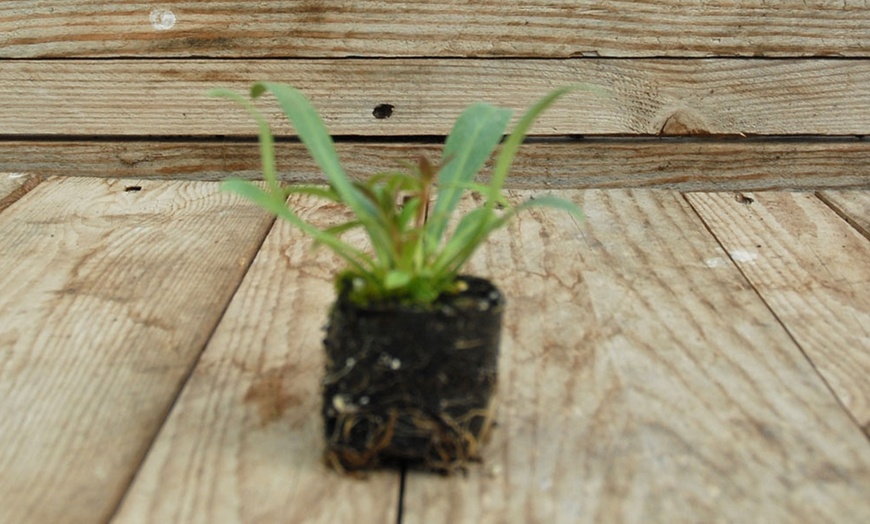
(414,256)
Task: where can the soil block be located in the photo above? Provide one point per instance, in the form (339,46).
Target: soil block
(411,384)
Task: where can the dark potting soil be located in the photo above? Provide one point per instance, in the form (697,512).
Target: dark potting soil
(410,384)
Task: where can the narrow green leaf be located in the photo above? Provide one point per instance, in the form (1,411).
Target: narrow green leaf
(540,201)
(471,141)
(409,211)
(267,142)
(317,140)
(514,141)
(342,228)
(551,202)
(472,229)
(356,258)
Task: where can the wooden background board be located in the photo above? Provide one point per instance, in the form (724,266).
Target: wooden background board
(339,28)
(639,384)
(682,164)
(244,441)
(645,97)
(108,298)
(800,256)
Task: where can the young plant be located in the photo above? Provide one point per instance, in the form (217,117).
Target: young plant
(414,256)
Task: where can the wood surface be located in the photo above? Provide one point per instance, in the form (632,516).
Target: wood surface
(853,206)
(639,384)
(813,271)
(644,97)
(685,165)
(109,296)
(244,441)
(15,185)
(338,28)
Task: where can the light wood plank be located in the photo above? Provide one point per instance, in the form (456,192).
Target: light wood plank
(108,298)
(813,270)
(853,206)
(245,440)
(686,165)
(647,97)
(15,185)
(549,28)
(638,384)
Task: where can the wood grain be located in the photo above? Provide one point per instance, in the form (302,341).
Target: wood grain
(638,384)
(646,97)
(686,165)
(109,296)
(339,28)
(14,185)
(853,206)
(245,439)
(812,270)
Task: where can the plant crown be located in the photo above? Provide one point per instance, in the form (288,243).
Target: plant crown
(415,256)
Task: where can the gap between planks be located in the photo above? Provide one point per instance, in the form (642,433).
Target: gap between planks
(682,164)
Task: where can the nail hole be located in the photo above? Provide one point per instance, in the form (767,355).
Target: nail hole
(383,111)
(132,189)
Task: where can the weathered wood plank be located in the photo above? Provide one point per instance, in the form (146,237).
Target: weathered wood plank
(14,185)
(648,97)
(638,384)
(245,440)
(109,296)
(813,271)
(853,206)
(545,28)
(686,165)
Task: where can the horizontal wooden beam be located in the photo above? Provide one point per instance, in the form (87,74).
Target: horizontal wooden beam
(487,28)
(646,97)
(685,164)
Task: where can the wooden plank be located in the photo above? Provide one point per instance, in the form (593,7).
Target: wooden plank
(245,440)
(541,28)
(647,97)
(638,384)
(14,186)
(813,271)
(686,165)
(853,206)
(109,296)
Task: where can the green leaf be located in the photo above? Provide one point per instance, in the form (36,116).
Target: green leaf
(409,211)
(471,141)
(540,201)
(514,141)
(308,124)
(342,228)
(267,143)
(473,229)
(549,201)
(356,258)
(396,279)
